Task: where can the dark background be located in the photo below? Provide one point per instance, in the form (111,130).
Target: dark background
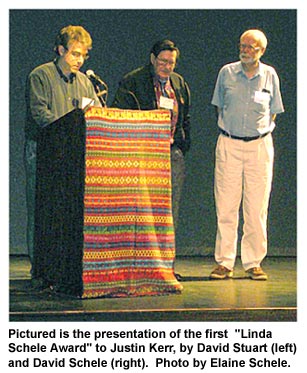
(207,40)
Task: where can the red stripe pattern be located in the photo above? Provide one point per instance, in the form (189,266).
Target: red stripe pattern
(129,245)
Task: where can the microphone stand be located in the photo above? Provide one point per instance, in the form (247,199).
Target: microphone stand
(102,92)
(103,96)
(100,88)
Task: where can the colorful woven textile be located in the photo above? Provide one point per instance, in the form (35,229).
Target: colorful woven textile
(128,229)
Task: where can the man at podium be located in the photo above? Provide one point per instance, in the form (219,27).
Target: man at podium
(156,86)
(53,90)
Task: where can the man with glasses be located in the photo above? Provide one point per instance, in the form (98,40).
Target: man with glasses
(155,86)
(53,90)
(247,97)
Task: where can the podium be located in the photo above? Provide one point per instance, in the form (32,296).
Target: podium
(103,220)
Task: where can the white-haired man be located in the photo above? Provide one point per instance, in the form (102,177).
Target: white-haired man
(247,97)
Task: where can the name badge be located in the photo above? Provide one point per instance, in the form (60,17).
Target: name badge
(261,97)
(166,103)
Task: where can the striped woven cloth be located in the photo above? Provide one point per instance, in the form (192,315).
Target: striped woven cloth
(129,245)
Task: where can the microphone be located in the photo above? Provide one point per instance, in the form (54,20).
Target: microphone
(100,86)
(92,76)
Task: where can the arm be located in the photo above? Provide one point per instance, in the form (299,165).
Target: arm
(37,96)
(186,119)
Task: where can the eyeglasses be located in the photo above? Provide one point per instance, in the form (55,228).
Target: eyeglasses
(77,55)
(164,62)
(249,47)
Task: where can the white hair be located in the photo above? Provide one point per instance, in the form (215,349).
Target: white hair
(258,36)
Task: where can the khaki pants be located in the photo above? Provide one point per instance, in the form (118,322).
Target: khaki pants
(243,173)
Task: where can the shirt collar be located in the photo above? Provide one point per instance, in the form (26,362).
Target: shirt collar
(239,69)
(158,80)
(62,75)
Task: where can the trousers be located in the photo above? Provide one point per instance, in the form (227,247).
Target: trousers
(243,175)
(30,168)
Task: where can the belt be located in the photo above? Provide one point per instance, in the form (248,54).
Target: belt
(242,138)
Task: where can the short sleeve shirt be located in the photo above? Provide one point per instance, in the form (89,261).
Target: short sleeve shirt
(247,104)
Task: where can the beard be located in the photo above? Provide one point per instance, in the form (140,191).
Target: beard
(246,59)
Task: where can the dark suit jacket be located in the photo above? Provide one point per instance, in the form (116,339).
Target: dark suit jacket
(136,91)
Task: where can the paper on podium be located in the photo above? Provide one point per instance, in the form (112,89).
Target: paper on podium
(87,102)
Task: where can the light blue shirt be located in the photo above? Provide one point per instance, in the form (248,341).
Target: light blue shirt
(247,104)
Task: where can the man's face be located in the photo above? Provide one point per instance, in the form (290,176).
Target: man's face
(73,58)
(164,63)
(250,51)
